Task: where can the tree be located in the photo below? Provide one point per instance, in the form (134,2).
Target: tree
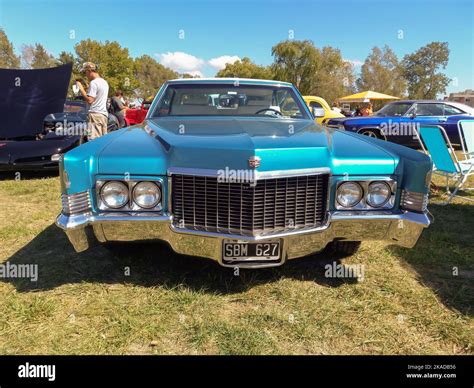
(8,59)
(113,61)
(36,57)
(150,75)
(421,70)
(382,72)
(64,58)
(335,77)
(321,72)
(245,68)
(296,62)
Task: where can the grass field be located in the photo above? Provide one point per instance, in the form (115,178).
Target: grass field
(411,301)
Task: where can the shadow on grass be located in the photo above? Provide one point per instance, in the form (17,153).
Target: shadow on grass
(151,265)
(444,256)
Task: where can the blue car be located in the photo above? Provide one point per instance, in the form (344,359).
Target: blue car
(398,121)
(237,171)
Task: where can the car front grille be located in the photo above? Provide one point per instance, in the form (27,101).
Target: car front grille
(270,206)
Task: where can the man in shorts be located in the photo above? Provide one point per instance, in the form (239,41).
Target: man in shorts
(96,99)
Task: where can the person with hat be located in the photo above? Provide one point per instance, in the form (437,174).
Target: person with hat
(96,99)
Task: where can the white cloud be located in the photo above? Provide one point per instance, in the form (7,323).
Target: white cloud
(195,73)
(219,62)
(355,62)
(182,62)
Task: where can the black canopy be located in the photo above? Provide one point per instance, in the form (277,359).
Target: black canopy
(27,96)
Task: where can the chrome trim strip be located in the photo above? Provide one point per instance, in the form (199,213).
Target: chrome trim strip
(257,174)
(245,237)
(411,200)
(77,203)
(403,229)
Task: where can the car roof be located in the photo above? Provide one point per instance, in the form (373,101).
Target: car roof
(423,101)
(463,107)
(245,81)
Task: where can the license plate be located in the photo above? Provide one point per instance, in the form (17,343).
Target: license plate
(251,251)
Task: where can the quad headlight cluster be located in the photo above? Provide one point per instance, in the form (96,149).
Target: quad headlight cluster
(361,195)
(129,195)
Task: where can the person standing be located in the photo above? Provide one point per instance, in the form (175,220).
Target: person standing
(118,107)
(96,99)
(367,110)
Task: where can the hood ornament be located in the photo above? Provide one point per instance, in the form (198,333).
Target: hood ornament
(254,162)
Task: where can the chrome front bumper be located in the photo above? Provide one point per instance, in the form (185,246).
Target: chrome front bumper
(401,229)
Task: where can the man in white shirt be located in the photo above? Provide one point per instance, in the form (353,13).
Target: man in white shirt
(96,98)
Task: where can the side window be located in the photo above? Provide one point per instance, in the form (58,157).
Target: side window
(288,106)
(429,110)
(450,110)
(315,104)
(164,108)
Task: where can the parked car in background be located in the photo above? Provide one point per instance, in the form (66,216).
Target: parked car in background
(137,115)
(398,121)
(321,109)
(237,171)
(61,132)
(73,115)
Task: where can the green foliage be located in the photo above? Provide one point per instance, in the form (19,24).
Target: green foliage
(150,75)
(64,58)
(421,70)
(382,72)
(335,77)
(114,63)
(245,69)
(296,62)
(8,59)
(36,57)
(313,71)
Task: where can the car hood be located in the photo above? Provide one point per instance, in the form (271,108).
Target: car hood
(218,143)
(66,116)
(23,108)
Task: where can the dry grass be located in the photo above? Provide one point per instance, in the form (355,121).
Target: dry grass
(409,302)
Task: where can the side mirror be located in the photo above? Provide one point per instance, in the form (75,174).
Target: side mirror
(318,112)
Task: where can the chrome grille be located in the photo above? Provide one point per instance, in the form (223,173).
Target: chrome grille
(271,206)
(78,203)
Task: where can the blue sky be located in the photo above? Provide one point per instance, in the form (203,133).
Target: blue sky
(215,29)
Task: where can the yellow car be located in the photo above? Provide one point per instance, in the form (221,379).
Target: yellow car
(321,109)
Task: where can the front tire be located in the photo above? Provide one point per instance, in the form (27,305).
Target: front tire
(375,133)
(342,249)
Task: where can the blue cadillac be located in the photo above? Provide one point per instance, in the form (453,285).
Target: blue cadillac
(237,171)
(398,121)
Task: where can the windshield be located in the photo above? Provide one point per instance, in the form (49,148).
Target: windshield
(230,100)
(394,109)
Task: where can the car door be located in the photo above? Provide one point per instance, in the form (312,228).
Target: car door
(426,113)
(452,115)
(397,127)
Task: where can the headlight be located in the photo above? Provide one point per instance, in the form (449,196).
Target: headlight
(146,195)
(349,194)
(114,194)
(378,194)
